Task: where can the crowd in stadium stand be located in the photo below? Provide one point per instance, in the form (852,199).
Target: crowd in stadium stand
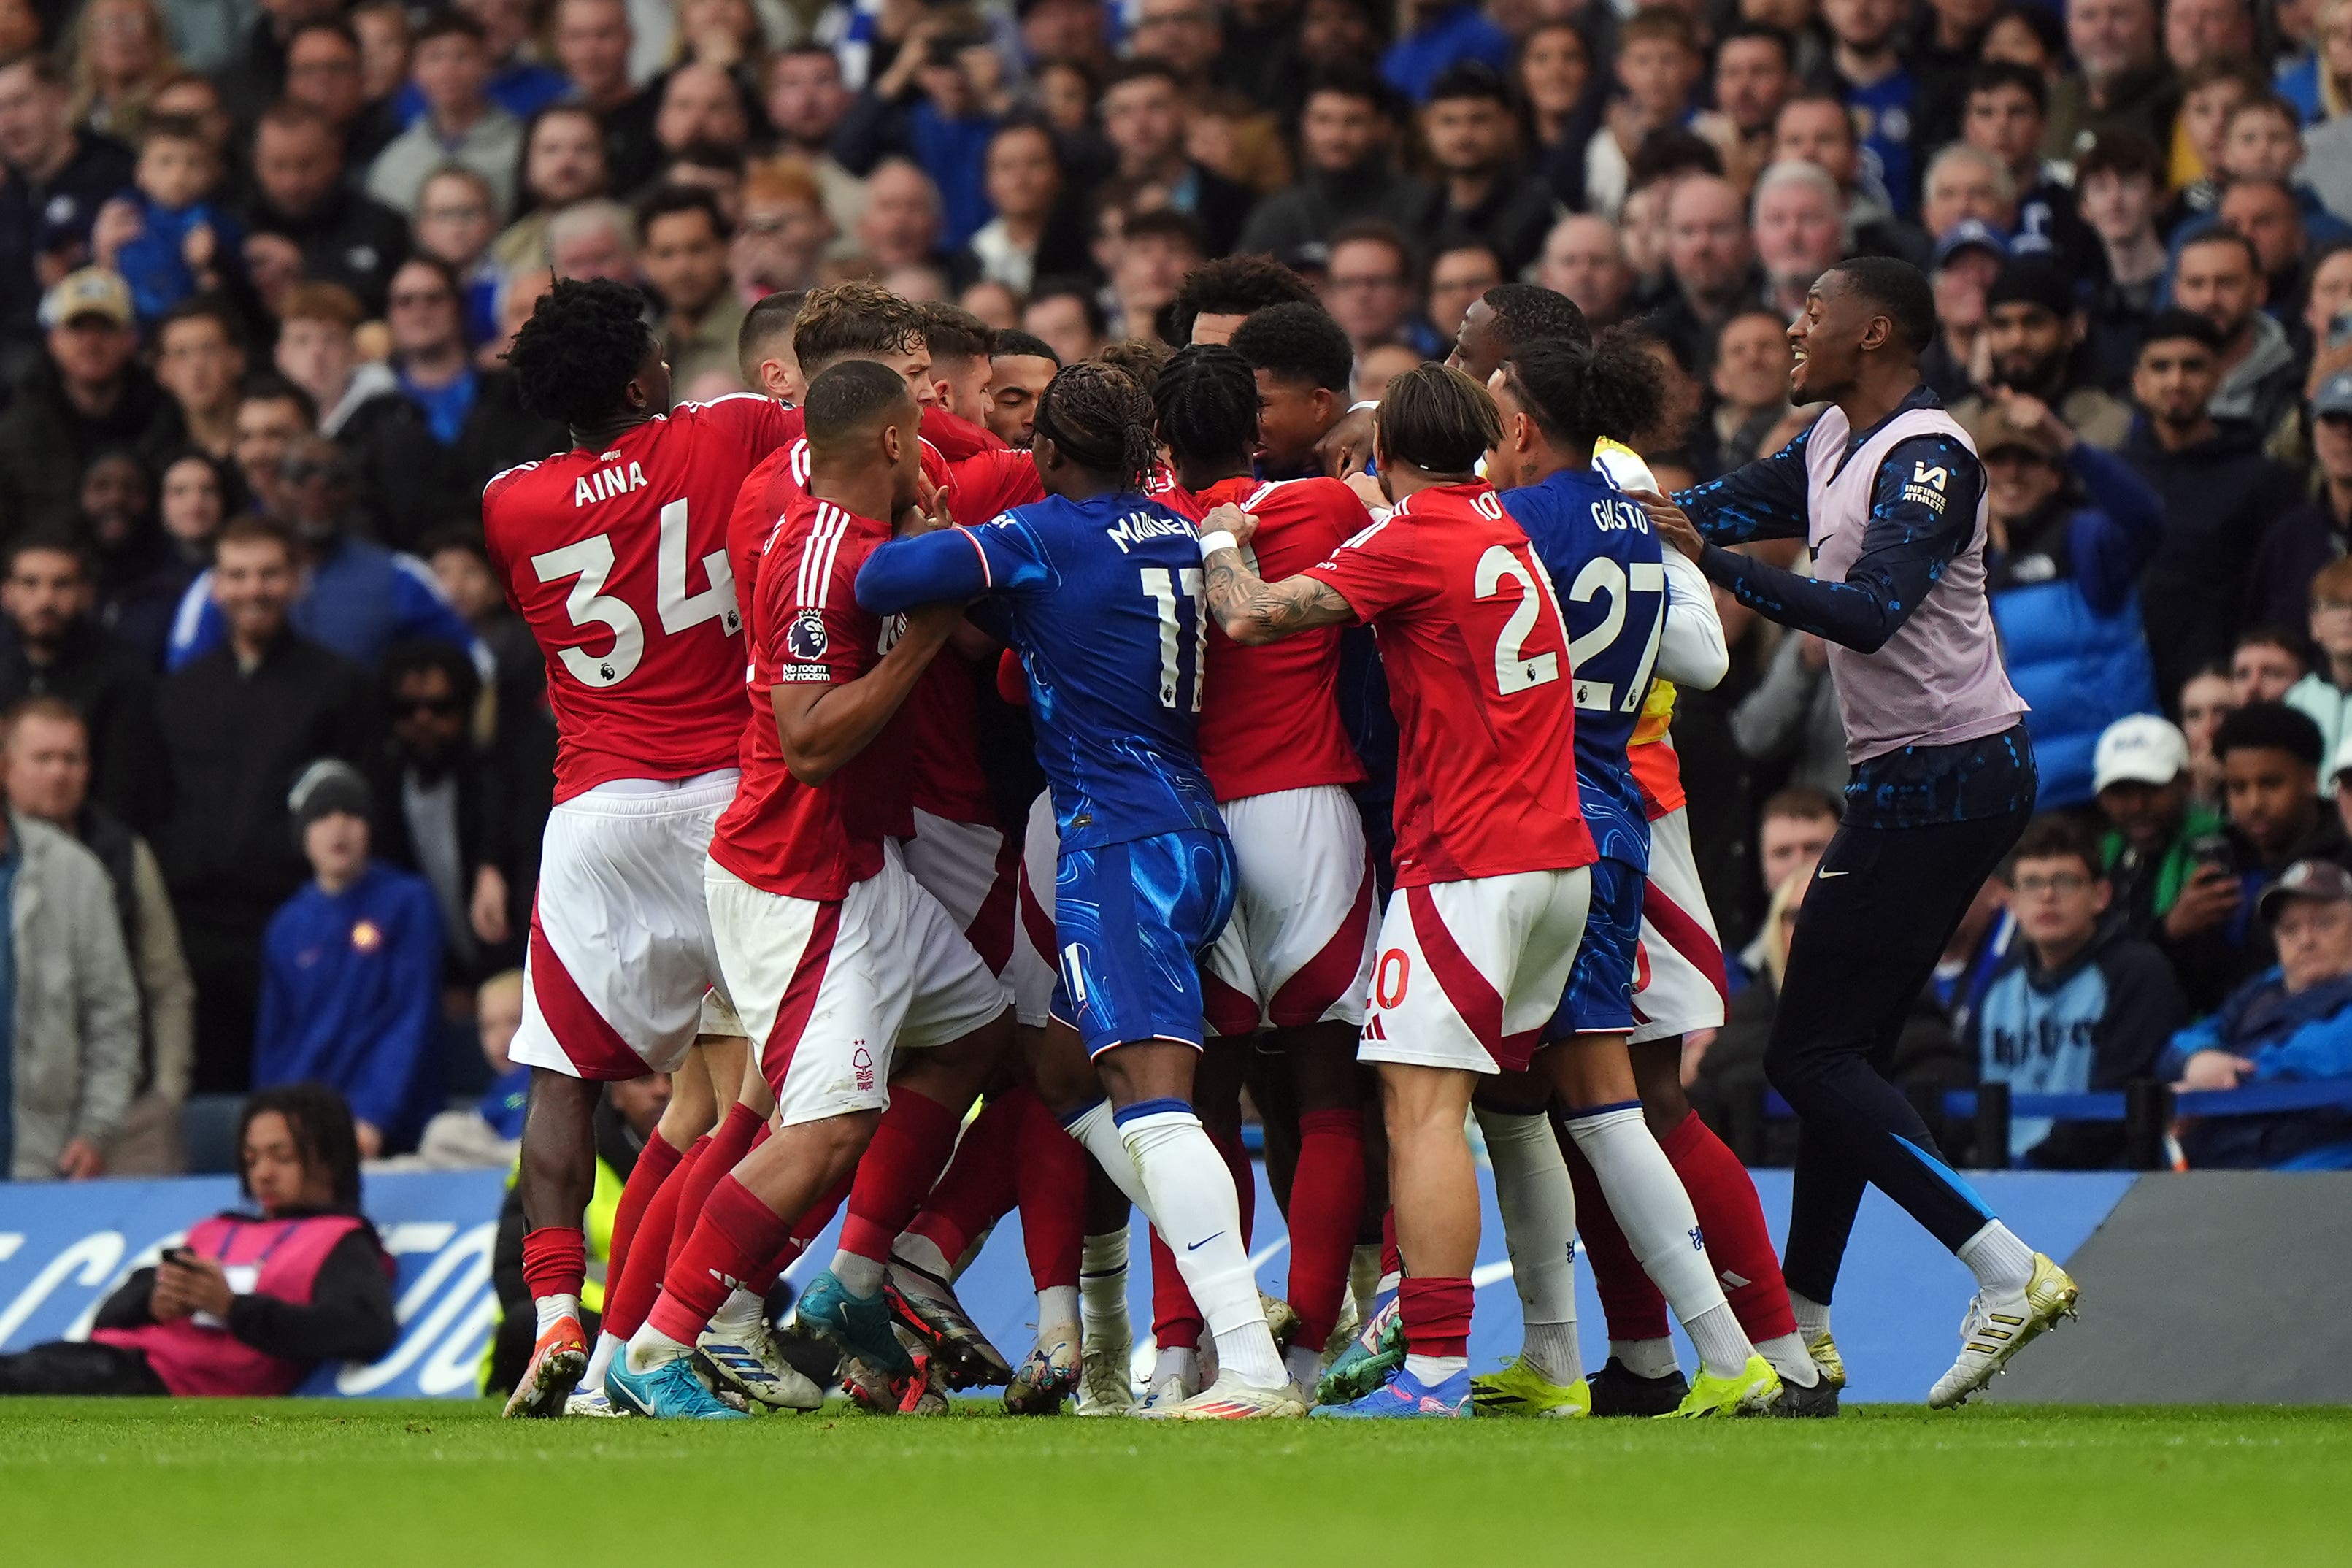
(278,756)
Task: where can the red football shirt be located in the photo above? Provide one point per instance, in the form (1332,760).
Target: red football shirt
(1476,656)
(1270,715)
(617,561)
(813,841)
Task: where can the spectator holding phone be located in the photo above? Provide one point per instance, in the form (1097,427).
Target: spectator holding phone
(2291,1024)
(252,1300)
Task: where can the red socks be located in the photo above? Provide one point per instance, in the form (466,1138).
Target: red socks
(655,1161)
(555,1260)
(732,1244)
(1633,1305)
(1050,1178)
(1175,1321)
(628,1298)
(1738,1244)
(1326,1197)
(898,1170)
(1392,1260)
(1175,1317)
(1436,1316)
(977,1189)
(1237,1161)
(721,1154)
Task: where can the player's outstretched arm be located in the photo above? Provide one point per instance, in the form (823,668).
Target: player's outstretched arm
(1251,609)
(823,726)
(923,569)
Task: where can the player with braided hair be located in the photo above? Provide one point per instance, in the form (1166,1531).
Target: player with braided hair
(1294,965)
(614,553)
(1098,587)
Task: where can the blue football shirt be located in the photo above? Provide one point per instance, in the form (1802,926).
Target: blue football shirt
(1603,560)
(1104,600)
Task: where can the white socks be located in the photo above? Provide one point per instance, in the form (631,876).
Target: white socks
(1662,1227)
(1792,1359)
(921,1252)
(739,1317)
(1304,1362)
(860,1275)
(1102,1291)
(1646,1358)
(1364,1276)
(1189,1196)
(1181,1362)
(1812,1317)
(1538,1205)
(649,1347)
(1057,1313)
(600,1359)
(1097,1130)
(1432,1370)
(554,1309)
(1997,1258)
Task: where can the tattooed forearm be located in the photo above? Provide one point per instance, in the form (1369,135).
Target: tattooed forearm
(1252,610)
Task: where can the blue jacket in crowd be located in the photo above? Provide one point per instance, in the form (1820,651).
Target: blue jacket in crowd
(2066,601)
(2096,1022)
(358,599)
(351,995)
(2290,1039)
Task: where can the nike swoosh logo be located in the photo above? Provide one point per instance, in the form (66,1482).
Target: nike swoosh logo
(1204,1241)
(1825,876)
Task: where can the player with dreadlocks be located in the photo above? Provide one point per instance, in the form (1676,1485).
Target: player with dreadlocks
(615,554)
(1098,587)
(1294,965)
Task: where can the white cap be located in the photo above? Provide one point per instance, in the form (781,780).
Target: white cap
(2142,749)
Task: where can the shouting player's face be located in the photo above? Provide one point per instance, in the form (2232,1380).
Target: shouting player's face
(1507,463)
(1292,415)
(1828,338)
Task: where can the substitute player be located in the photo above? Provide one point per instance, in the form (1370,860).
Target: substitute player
(836,958)
(1296,958)
(1890,494)
(1492,850)
(1557,398)
(1098,587)
(613,554)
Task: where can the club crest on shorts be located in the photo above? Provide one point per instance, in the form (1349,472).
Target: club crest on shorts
(805,639)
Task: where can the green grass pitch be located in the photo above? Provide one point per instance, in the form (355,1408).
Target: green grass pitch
(359,1483)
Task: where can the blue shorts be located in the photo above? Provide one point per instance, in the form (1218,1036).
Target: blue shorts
(1599,996)
(1133,921)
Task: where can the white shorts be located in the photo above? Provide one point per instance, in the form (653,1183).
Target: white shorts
(971,869)
(1469,972)
(828,989)
(1298,949)
(1035,952)
(621,958)
(1678,976)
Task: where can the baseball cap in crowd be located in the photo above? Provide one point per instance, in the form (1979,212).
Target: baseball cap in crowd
(92,291)
(1971,234)
(2142,749)
(2334,396)
(1993,431)
(2322,879)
